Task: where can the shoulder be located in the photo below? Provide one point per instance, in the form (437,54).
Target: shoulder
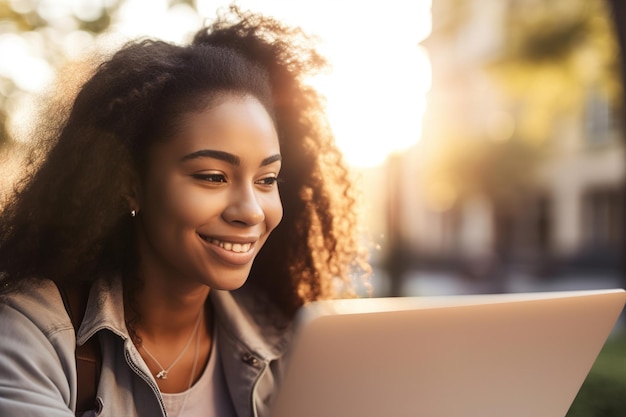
(38,343)
(41,304)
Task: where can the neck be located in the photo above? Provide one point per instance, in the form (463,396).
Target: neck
(175,328)
(167,307)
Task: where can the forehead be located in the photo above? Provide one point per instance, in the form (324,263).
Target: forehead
(239,125)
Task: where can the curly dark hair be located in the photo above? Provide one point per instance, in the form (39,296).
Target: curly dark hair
(69,219)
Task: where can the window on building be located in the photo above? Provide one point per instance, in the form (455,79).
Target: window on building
(603,218)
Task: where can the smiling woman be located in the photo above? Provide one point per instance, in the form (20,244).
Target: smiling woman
(198,196)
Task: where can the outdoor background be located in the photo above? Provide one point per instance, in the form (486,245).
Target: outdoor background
(486,136)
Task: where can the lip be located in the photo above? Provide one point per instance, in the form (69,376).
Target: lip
(229,256)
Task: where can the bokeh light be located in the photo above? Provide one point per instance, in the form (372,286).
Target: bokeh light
(375,87)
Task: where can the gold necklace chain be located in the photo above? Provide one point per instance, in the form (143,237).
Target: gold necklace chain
(162,374)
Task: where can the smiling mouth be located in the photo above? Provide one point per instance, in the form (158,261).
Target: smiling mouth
(229,246)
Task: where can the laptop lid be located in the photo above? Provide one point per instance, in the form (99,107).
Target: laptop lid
(472,355)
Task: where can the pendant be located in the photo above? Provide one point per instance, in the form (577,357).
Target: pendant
(162,374)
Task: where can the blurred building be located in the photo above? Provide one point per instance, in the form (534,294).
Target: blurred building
(548,208)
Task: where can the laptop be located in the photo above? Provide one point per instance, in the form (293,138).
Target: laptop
(504,355)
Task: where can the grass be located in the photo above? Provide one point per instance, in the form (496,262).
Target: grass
(603,394)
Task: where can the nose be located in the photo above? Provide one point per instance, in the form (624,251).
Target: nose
(244,208)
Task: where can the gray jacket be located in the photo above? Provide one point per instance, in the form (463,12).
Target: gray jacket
(38,367)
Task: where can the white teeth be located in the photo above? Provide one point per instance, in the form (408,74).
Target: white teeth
(234,247)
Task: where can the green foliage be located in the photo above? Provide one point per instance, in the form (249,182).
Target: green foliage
(27,21)
(555,53)
(603,393)
(499,170)
(550,42)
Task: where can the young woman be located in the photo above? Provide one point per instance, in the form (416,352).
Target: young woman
(195,191)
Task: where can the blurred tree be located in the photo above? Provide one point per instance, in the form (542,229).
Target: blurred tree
(37,37)
(45,31)
(554,54)
(498,170)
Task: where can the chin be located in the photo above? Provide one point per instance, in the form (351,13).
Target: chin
(229,286)
(227,283)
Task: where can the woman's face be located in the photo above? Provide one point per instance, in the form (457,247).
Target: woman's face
(209,198)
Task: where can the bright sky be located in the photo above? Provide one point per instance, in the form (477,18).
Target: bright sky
(379,74)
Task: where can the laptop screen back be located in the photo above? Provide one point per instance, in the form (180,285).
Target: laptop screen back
(495,355)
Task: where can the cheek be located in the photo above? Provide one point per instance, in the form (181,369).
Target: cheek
(175,202)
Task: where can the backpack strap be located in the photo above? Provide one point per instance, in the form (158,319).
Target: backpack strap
(88,355)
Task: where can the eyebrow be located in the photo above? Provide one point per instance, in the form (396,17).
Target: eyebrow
(226,157)
(271,159)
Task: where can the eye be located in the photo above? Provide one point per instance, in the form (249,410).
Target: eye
(267,181)
(211,177)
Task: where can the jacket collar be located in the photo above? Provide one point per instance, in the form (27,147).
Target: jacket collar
(253,321)
(247,316)
(105,310)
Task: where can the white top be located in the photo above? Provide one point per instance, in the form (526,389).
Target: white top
(208,397)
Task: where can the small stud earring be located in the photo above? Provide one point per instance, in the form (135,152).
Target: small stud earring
(133,213)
